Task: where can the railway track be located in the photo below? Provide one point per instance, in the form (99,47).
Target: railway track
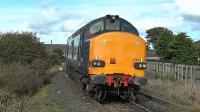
(108,107)
(153,98)
(141,108)
(120,106)
(158,100)
(129,106)
(138,107)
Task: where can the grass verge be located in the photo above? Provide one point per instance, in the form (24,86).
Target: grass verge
(43,101)
(186,94)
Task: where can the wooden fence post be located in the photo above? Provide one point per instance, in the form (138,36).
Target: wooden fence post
(191,72)
(186,73)
(163,69)
(175,70)
(182,74)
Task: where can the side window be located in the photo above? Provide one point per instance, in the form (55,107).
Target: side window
(128,28)
(69,49)
(76,47)
(97,27)
(72,49)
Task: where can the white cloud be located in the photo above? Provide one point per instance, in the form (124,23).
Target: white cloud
(191,7)
(168,7)
(174,24)
(190,10)
(56,37)
(25,26)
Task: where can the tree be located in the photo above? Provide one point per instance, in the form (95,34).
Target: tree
(54,58)
(59,52)
(154,33)
(21,48)
(182,50)
(173,48)
(162,42)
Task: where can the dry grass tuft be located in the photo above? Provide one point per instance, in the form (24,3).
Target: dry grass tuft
(19,79)
(180,92)
(10,102)
(16,83)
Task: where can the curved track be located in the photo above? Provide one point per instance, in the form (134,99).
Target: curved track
(123,107)
(141,108)
(155,99)
(116,106)
(158,100)
(128,106)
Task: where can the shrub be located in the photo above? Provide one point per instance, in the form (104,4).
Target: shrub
(54,58)
(42,67)
(22,48)
(20,79)
(10,102)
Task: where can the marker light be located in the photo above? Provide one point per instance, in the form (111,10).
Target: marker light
(98,63)
(140,65)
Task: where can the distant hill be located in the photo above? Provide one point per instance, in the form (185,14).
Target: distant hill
(56,46)
(197,43)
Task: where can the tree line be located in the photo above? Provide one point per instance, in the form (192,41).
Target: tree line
(173,48)
(25,48)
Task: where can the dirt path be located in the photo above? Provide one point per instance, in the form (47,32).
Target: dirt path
(73,100)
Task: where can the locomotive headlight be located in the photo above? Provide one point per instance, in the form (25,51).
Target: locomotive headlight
(140,65)
(94,63)
(98,63)
(144,65)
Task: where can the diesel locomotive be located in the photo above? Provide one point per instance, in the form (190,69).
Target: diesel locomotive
(108,57)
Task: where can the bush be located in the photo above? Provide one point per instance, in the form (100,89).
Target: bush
(54,59)
(20,79)
(22,48)
(10,102)
(42,67)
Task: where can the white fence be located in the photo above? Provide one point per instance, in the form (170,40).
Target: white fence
(177,71)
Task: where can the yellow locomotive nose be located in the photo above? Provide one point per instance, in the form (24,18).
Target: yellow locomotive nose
(120,53)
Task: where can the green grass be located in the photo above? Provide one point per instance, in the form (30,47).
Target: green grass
(43,101)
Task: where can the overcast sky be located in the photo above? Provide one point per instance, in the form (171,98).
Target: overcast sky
(57,19)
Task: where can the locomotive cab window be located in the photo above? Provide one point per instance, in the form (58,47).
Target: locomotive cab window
(112,24)
(97,27)
(128,28)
